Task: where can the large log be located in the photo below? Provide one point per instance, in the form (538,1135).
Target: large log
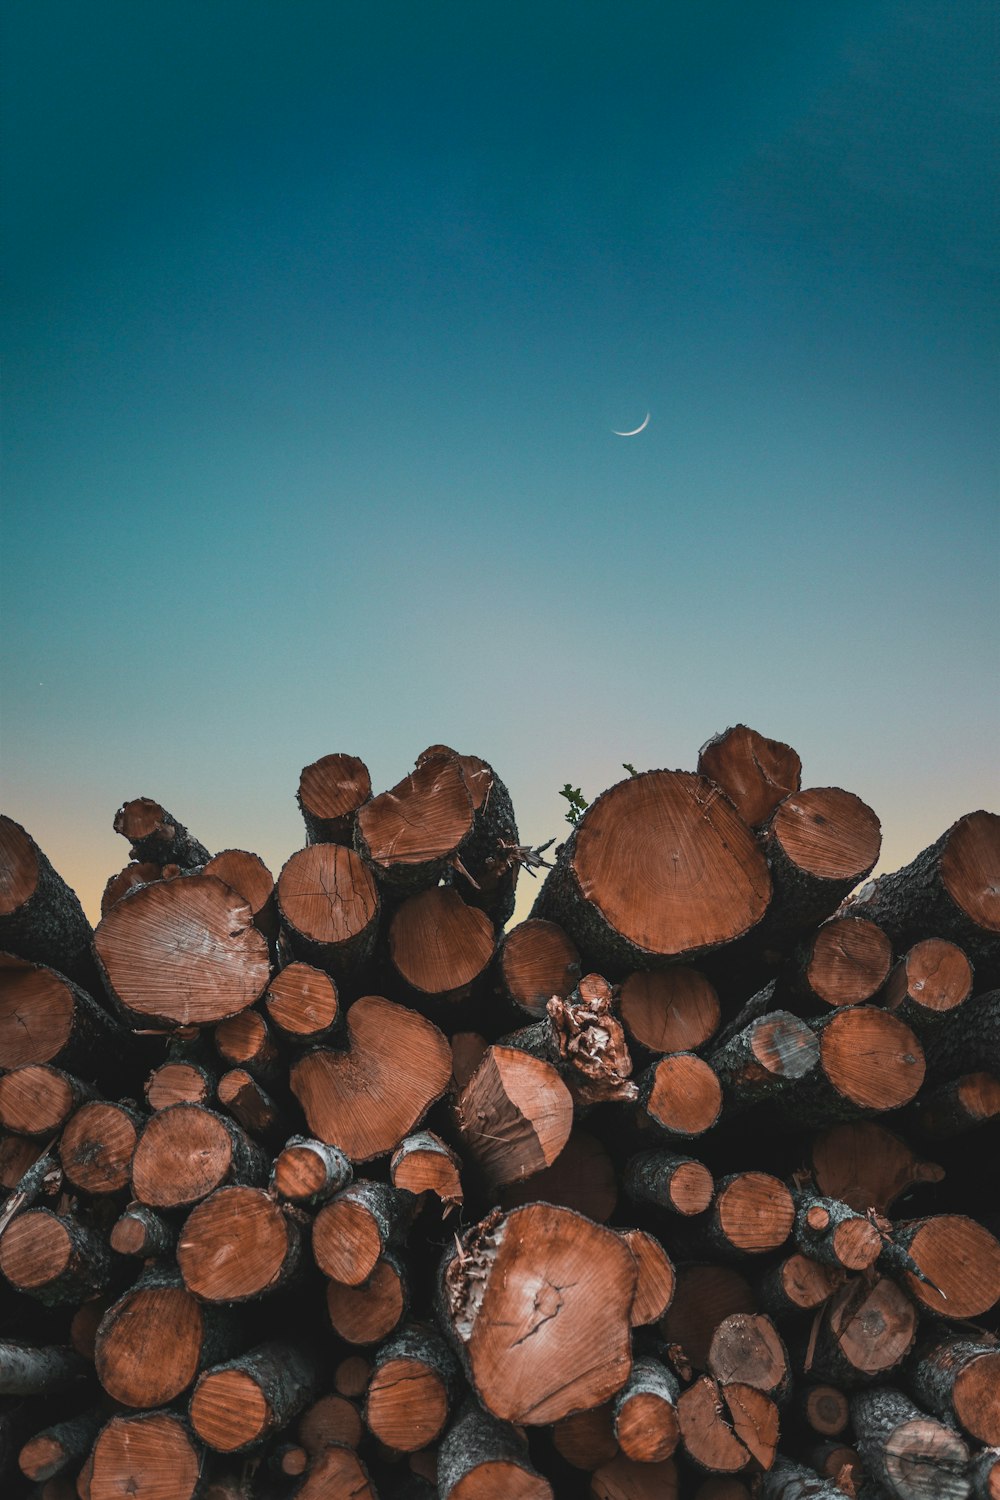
(958,1378)
(236,1245)
(411,834)
(41,919)
(914,1456)
(329,907)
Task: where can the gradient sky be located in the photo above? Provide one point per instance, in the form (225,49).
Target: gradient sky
(319,318)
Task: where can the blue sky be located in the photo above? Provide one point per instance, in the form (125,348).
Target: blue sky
(318,322)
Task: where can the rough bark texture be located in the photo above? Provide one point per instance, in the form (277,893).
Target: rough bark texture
(41,919)
(331,790)
(911,1454)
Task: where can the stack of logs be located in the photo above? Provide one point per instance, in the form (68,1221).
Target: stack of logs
(333,1187)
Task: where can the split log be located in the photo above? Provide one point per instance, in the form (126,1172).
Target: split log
(679,1184)
(951,890)
(331,790)
(183,952)
(38,1099)
(833,1233)
(151,1457)
(367,1313)
(535,961)
(365,1100)
(236,1245)
(438,945)
(961,1104)
(422,1163)
(754,772)
(713,1419)
(41,919)
(46,1018)
(645,1412)
(55,1449)
(236,1405)
(481,1457)
(669,1010)
(54,1258)
(958,1378)
(185,1152)
(514,1115)
(868,1062)
(354,1230)
(582,1177)
(912,1455)
(681,1094)
(309,1172)
(156,836)
(539,1302)
(866,1166)
(867,1329)
(415,1383)
(657,1279)
(27,1370)
(958,1260)
(97,1147)
(491,855)
(763,1061)
(411,834)
(330,907)
(846,962)
(659,867)
(303,1003)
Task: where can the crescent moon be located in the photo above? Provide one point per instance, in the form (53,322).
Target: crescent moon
(635,430)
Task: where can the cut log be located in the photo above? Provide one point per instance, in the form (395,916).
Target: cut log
(157,1312)
(959,1105)
(798,1284)
(984,1474)
(411,834)
(438,945)
(826,1409)
(480,1458)
(331,790)
(539,1301)
(303,1003)
(659,867)
(587,1438)
(236,1405)
(352,1375)
(960,1260)
(179,1082)
(55,1449)
(869,1062)
(156,836)
(365,1100)
(143,1233)
(913,1456)
(537,960)
(249,877)
(657,1281)
(830,1231)
(242,1097)
(27,1370)
(422,1163)
(185,1152)
(669,1010)
(582,1177)
(368,1313)
(681,1094)
(752,1212)
(958,1378)
(754,772)
(867,1329)
(97,1147)
(415,1383)
(336,1474)
(353,1231)
(763,1061)
(679,1184)
(54,1258)
(183,952)
(491,856)
(845,963)
(514,1115)
(623,1479)
(329,906)
(150,1457)
(331,1419)
(706,1429)
(236,1245)
(951,891)
(929,981)
(141,872)
(245,1042)
(41,919)
(37,1100)
(645,1412)
(866,1166)
(309,1172)
(18,1154)
(46,1018)
(746,1348)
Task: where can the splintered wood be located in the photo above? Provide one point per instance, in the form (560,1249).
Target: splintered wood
(335,1186)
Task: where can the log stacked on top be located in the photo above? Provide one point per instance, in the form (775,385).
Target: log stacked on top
(332,1186)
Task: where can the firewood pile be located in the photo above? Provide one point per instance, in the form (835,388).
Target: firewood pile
(340,1186)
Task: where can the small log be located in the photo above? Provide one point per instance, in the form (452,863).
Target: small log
(41,920)
(586,1440)
(707,1431)
(438,945)
(97,1147)
(669,1010)
(984,1474)
(143,1233)
(866,1166)
(912,1455)
(959,1262)
(331,1419)
(179,1082)
(869,1062)
(826,1409)
(514,1116)
(582,1177)
(930,981)
(138,872)
(480,1458)
(367,1099)
(309,1172)
(629,885)
(352,1375)
(54,1258)
(37,1100)
(329,907)
(623,1479)
(681,1094)
(242,1097)
(764,1060)
(867,1329)
(236,1245)
(303,1003)
(415,1383)
(53,1450)
(491,856)
(46,1018)
(958,1378)
(679,1184)
(747,1348)
(786,1480)
(798,1284)
(368,1313)
(754,772)
(27,1370)
(245,1042)
(960,1105)
(752,1212)
(156,836)
(150,1457)
(236,1405)
(535,961)
(411,834)
(422,1163)
(185,1152)
(353,1231)
(846,962)
(657,1281)
(331,790)
(249,877)
(336,1474)
(41,1175)
(157,1312)
(520,1295)
(833,1233)
(951,890)
(645,1412)
(183,952)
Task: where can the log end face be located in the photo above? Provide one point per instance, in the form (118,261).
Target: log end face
(970,868)
(229,1410)
(19,866)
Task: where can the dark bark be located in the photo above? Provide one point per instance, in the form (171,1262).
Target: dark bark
(156,837)
(41,919)
(913,1456)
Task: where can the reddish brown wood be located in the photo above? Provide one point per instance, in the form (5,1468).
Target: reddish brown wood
(157,836)
(755,773)
(138,872)
(514,1115)
(337,1474)
(329,907)
(707,1429)
(46,1018)
(150,1457)
(826,1409)
(705,1295)
(910,1454)
(645,1412)
(480,1458)
(960,1260)
(331,1419)
(309,1171)
(669,1010)
(867,1329)
(237,1404)
(869,1062)
(958,1378)
(237,1244)
(331,790)
(846,963)
(352,1375)
(54,1257)
(961,1104)
(657,1281)
(747,1348)
(185,1152)
(752,1212)
(931,980)
(681,1093)
(537,960)
(491,856)
(249,877)
(157,1312)
(867,1166)
(414,1385)
(55,1449)
(832,1232)
(141,1232)
(37,1100)
(353,1231)
(411,834)
(303,1003)
(581,1177)
(622,1478)
(468,1049)
(438,945)
(422,1163)
(587,1438)
(367,1313)
(819,843)
(677,1183)
(97,1147)
(40,917)
(798,1284)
